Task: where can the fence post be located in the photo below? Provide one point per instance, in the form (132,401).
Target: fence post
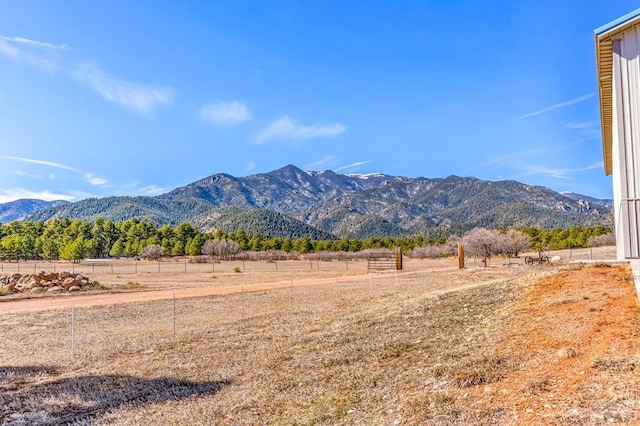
(174,314)
(185,266)
(73,328)
(396,279)
(291,294)
(242,301)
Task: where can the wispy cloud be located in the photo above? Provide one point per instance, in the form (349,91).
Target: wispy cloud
(558,105)
(250,166)
(34,43)
(286,129)
(587,129)
(39,54)
(93,180)
(561,173)
(42,163)
(8,50)
(88,177)
(152,190)
(133,96)
(316,165)
(134,188)
(528,163)
(12,194)
(353,165)
(226,113)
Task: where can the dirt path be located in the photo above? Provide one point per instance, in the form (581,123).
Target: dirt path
(64,301)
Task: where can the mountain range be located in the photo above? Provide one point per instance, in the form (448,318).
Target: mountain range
(324,204)
(20,209)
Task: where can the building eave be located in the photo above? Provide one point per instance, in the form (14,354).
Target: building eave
(604,38)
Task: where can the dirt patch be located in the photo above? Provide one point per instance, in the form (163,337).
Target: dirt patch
(574,341)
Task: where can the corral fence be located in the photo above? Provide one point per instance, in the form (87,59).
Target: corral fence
(385,260)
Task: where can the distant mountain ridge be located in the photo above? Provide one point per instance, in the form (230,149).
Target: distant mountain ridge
(19,209)
(341,205)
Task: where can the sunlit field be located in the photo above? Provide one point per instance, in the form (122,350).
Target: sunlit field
(260,343)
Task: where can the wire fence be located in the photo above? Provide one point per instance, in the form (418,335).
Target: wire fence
(141,327)
(103,267)
(200,265)
(98,331)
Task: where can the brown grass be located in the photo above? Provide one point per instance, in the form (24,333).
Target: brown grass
(433,346)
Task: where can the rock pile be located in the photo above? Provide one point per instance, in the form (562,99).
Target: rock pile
(50,282)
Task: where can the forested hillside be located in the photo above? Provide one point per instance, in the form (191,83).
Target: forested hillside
(289,202)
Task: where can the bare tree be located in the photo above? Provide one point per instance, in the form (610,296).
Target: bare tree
(209,248)
(428,252)
(225,249)
(482,242)
(151,252)
(603,240)
(516,242)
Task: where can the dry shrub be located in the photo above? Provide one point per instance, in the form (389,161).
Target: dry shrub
(482,371)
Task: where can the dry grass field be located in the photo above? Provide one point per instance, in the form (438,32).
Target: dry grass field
(326,344)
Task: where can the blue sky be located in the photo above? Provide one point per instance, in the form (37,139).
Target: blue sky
(101,98)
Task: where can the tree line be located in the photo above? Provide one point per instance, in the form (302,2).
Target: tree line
(74,239)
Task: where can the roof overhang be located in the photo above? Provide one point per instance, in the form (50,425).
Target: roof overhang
(604,38)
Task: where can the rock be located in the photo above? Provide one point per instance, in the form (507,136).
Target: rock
(68,282)
(28,284)
(50,282)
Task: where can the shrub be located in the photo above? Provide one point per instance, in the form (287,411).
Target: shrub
(151,252)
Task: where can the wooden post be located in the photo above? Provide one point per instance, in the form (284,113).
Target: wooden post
(460,255)
(398,252)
